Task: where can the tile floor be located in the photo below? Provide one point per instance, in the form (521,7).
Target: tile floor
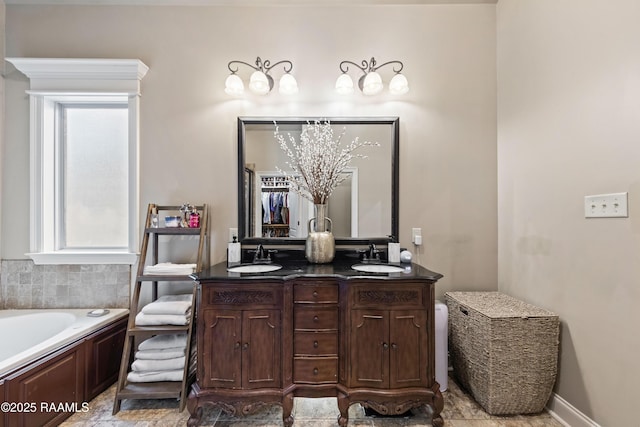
(460,410)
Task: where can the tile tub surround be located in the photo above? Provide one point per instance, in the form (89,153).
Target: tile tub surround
(460,410)
(24,284)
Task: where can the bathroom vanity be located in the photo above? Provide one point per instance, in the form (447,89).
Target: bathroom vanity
(315,331)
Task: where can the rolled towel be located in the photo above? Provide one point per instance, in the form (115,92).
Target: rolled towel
(142,365)
(143,319)
(160,342)
(169,304)
(153,376)
(168,353)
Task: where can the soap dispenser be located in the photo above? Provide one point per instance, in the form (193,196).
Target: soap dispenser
(234,252)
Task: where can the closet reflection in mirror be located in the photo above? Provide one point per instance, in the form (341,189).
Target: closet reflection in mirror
(363,206)
(284,213)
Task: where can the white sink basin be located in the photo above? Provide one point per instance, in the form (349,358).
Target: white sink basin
(377,268)
(254,268)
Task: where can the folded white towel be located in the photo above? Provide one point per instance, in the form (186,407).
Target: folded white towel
(143,319)
(169,304)
(152,376)
(168,268)
(142,365)
(168,353)
(159,342)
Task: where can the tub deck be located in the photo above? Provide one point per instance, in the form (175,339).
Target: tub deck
(82,325)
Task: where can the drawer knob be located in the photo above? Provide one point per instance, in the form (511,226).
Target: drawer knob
(315,371)
(385,345)
(315,344)
(245,346)
(316,318)
(237,346)
(394,346)
(315,294)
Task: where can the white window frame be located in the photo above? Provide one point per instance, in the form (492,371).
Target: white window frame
(54,81)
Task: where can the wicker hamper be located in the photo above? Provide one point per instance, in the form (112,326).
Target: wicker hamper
(504,351)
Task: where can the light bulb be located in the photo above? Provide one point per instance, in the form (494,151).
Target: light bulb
(398,85)
(344,84)
(288,85)
(259,84)
(372,84)
(233,85)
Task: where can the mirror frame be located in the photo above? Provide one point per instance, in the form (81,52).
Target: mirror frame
(394,122)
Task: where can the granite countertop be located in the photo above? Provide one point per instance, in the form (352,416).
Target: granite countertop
(294,267)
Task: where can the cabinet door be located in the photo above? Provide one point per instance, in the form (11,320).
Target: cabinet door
(103,358)
(369,348)
(261,364)
(221,349)
(408,348)
(55,381)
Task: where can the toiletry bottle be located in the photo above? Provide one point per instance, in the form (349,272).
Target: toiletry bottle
(234,252)
(154,218)
(194,219)
(394,252)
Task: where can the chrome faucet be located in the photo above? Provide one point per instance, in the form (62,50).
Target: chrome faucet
(374,254)
(259,253)
(262,255)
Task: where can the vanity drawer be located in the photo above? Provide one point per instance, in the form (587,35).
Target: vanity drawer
(315,343)
(315,370)
(262,296)
(314,318)
(315,294)
(397,296)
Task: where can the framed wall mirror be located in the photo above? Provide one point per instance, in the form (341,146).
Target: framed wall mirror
(363,208)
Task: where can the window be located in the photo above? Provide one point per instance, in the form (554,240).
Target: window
(84,164)
(93,158)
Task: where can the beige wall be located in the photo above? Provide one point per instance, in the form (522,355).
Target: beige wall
(569,126)
(188,141)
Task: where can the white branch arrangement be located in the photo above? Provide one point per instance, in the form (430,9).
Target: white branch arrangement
(317,160)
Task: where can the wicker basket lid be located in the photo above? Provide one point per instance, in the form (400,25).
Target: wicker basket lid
(498,305)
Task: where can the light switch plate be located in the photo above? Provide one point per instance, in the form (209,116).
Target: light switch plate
(415,232)
(612,205)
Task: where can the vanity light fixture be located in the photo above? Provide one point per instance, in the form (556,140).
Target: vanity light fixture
(370,83)
(260,82)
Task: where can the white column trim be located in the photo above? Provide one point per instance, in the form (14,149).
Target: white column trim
(53,80)
(81,68)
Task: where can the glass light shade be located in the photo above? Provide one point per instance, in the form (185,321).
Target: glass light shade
(372,84)
(288,84)
(233,85)
(344,84)
(259,84)
(398,85)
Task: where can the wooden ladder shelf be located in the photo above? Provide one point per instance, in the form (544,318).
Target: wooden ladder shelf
(135,334)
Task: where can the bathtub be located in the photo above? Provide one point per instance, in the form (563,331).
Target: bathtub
(26,335)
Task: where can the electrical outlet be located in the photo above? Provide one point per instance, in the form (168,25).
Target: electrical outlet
(606,206)
(416,232)
(233,232)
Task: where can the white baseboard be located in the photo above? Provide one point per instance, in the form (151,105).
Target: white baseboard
(567,414)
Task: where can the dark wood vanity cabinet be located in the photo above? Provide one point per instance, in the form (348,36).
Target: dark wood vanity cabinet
(389,336)
(388,349)
(239,345)
(264,342)
(240,338)
(241,348)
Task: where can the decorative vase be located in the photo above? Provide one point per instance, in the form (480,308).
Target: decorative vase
(320,247)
